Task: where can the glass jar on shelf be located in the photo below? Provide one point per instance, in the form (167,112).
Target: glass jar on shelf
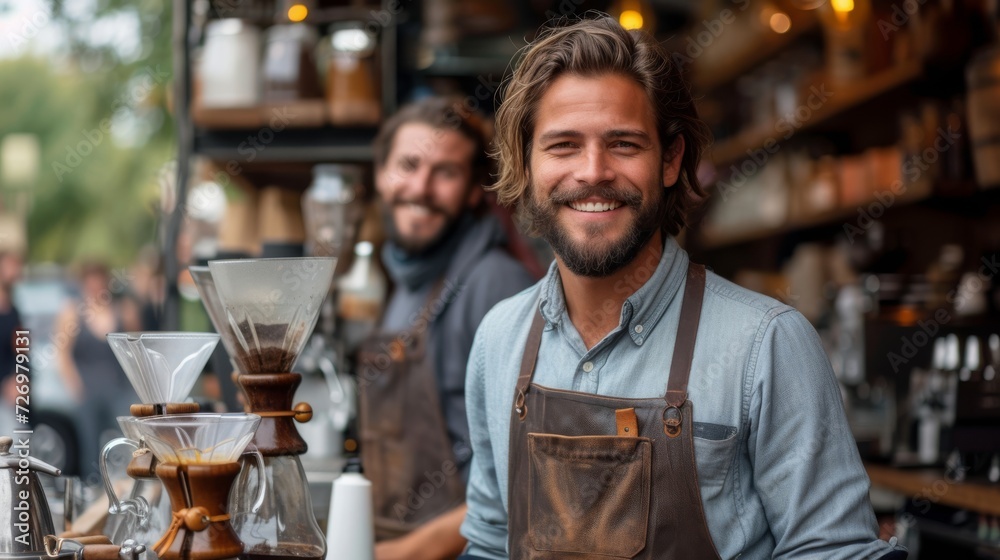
(228,72)
(289,71)
(353,93)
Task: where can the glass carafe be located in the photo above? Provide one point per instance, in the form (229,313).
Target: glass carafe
(277,530)
(144,514)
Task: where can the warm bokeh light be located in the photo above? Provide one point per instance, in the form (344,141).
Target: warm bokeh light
(297,13)
(780,22)
(842,6)
(630,19)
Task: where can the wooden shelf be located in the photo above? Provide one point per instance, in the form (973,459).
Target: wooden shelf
(707,77)
(842,99)
(300,114)
(933,486)
(717,239)
(317,16)
(264,145)
(964,198)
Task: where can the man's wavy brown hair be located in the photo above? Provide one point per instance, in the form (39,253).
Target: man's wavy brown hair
(593,47)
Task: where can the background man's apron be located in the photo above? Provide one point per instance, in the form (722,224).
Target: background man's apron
(405,448)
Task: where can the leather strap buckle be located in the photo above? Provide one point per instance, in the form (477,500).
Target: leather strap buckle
(672,421)
(519,406)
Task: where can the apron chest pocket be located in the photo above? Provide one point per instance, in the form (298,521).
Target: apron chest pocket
(588,494)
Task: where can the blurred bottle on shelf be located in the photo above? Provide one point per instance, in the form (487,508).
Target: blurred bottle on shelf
(845,26)
(362,294)
(289,70)
(282,233)
(352,86)
(332,209)
(228,72)
(983,80)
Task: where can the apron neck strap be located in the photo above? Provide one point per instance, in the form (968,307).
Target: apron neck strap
(530,353)
(687,332)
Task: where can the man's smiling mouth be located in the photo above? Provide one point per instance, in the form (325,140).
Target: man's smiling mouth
(594,206)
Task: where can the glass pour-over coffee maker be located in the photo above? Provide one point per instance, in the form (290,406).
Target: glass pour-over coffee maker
(270,308)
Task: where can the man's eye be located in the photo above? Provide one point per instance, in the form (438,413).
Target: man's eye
(407,165)
(448,172)
(625,144)
(562,146)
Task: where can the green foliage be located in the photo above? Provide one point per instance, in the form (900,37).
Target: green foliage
(96,194)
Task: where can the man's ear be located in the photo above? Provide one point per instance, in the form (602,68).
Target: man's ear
(672,158)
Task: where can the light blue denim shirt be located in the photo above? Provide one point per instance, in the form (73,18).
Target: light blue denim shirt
(779,471)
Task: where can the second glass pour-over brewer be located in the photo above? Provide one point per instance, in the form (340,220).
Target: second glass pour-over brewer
(162,368)
(269,309)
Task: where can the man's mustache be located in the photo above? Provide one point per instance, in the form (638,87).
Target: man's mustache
(627,197)
(426,202)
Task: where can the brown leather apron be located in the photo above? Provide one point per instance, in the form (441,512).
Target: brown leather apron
(594,477)
(405,448)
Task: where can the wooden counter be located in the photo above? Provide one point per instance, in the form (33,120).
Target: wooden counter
(931,485)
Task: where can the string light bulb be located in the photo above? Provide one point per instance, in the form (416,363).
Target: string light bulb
(630,19)
(297,13)
(842,8)
(634,14)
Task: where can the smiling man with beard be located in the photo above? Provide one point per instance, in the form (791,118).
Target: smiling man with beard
(447,261)
(632,404)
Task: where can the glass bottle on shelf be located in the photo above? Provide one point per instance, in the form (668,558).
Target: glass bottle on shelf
(228,71)
(289,71)
(352,86)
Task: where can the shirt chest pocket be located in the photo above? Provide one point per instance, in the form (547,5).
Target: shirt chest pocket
(714,448)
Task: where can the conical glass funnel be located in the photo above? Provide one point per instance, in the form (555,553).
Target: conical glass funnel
(271,307)
(203,280)
(198,439)
(162,366)
(128,427)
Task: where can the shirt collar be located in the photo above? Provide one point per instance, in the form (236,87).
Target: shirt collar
(641,311)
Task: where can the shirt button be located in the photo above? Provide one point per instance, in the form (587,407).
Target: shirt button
(638,328)
(588,367)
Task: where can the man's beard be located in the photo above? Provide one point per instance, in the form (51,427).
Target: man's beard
(411,245)
(587,258)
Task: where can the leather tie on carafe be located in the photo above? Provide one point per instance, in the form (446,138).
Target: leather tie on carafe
(199,521)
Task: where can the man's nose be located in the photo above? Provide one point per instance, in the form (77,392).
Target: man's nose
(595,167)
(421,182)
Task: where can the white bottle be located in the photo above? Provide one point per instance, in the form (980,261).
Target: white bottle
(350,530)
